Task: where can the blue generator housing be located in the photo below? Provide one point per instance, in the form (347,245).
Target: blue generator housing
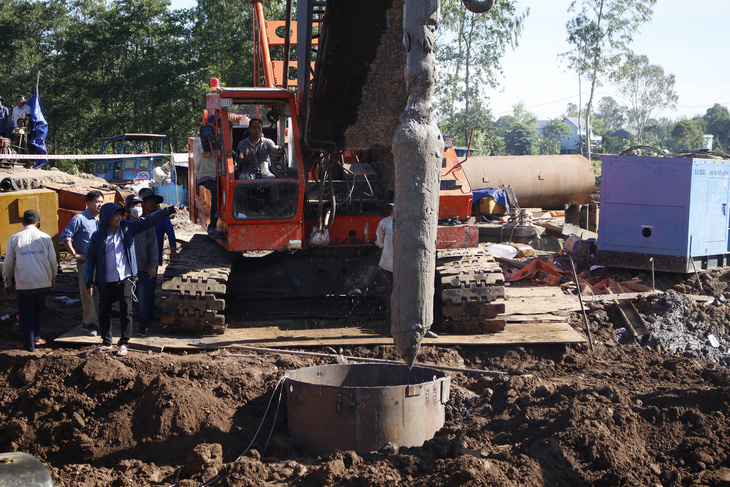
(671,210)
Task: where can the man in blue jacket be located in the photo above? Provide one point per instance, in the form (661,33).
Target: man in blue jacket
(111,264)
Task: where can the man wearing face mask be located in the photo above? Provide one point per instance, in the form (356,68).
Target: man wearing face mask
(145,245)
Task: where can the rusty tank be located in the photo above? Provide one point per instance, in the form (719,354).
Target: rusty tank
(365,407)
(547,182)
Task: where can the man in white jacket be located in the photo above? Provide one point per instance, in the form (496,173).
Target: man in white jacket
(30,268)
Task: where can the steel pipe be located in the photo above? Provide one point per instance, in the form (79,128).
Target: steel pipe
(547,182)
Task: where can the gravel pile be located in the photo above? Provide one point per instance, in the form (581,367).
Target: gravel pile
(683,327)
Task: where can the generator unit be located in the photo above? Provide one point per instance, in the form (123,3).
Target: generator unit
(669,212)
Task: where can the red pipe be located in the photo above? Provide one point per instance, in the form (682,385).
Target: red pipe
(263,43)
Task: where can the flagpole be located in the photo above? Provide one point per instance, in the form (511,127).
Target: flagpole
(37,81)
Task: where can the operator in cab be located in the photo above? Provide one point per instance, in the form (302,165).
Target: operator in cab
(253,153)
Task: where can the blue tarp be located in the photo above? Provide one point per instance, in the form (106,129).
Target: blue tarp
(499,196)
(40,129)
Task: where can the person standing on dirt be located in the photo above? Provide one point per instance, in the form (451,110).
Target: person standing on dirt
(253,153)
(4,117)
(111,264)
(30,268)
(75,238)
(145,244)
(205,175)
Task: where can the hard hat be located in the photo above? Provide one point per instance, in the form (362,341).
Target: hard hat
(132,199)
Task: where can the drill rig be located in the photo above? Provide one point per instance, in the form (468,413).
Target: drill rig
(309,233)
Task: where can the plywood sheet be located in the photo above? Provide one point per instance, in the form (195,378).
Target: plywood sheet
(535,300)
(272,336)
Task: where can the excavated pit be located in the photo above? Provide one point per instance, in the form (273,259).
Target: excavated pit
(365,407)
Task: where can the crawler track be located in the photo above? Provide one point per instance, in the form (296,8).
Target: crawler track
(471,287)
(194,288)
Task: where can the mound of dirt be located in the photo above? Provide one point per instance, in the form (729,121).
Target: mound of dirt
(651,411)
(626,416)
(37,178)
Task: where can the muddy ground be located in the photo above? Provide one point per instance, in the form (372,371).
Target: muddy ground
(640,413)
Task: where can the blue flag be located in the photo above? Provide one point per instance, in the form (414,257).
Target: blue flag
(40,129)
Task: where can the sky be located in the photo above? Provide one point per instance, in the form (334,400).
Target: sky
(689,40)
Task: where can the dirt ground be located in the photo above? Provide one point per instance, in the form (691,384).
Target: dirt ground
(647,412)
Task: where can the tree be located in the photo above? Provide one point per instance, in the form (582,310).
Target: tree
(469,52)
(687,135)
(647,88)
(520,114)
(552,133)
(571,110)
(718,124)
(480,119)
(600,34)
(520,140)
(612,114)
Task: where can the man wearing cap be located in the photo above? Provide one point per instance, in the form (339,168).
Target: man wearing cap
(4,116)
(75,238)
(145,244)
(30,268)
(151,203)
(111,264)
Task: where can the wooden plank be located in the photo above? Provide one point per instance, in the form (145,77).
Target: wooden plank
(271,336)
(538,300)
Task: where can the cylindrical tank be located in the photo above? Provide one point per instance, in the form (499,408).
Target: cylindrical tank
(546,182)
(363,407)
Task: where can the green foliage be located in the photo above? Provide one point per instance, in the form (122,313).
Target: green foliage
(469,49)
(614,145)
(520,140)
(647,88)
(123,66)
(520,114)
(717,119)
(479,118)
(552,133)
(611,113)
(687,135)
(600,34)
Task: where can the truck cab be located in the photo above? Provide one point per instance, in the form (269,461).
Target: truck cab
(255,214)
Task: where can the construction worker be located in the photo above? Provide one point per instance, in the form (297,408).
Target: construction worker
(205,175)
(384,240)
(145,245)
(30,268)
(111,264)
(253,153)
(75,238)
(19,110)
(4,118)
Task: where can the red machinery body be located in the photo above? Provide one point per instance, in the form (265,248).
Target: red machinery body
(305,238)
(288,230)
